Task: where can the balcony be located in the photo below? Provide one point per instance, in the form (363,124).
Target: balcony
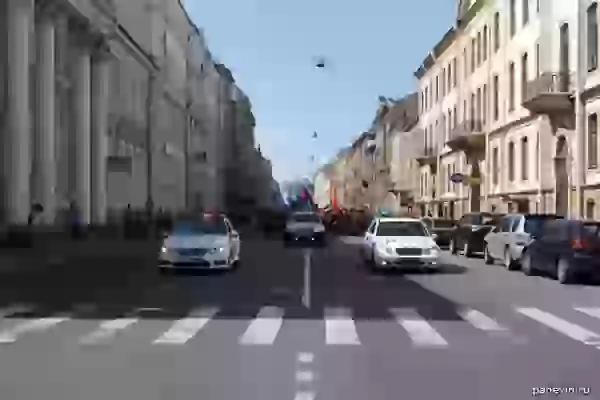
(466,136)
(427,156)
(549,93)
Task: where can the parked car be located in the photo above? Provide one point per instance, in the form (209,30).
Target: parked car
(442,228)
(470,230)
(568,250)
(507,240)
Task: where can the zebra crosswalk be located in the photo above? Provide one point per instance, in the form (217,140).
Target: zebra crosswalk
(269,326)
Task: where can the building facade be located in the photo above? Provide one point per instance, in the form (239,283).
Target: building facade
(108,104)
(497,109)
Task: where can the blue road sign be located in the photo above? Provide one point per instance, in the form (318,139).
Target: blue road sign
(457,177)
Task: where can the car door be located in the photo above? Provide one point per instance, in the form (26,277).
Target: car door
(492,240)
(234,239)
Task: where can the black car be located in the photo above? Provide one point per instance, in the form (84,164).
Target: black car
(568,250)
(443,229)
(470,230)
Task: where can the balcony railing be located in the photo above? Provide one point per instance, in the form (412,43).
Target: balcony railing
(465,128)
(551,91)
(427,155)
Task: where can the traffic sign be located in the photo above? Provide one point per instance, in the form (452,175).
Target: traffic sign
(457,177)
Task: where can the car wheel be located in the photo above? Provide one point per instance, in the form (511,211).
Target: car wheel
(563,272)
(452,246)
(487,258)
(526,266)
(509,263)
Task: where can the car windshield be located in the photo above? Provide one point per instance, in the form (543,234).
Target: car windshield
(306,218)
(441,223)
(402,228)
(200,226)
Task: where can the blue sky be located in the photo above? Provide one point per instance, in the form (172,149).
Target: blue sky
(371,47)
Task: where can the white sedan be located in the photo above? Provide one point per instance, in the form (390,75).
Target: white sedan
(400,242)
(206,242)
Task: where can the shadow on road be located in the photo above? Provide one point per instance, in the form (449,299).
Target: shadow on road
(110,280)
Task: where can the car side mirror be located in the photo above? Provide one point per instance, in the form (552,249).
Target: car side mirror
(434,236)
(235,235)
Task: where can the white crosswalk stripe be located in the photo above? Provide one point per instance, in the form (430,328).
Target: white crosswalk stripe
(574,331)
(185,329)
(340,328)
(264,328)
(481,321)
(107,330)
(421,333)
(35,325)
(591,311)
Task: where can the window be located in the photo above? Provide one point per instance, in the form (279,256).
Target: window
(402,228)
(479,52)
(524,76)
(495,172)
(511,86)
(537,155)
(455,119)
(513,17)
(496,98)
(473,54)
(592,141)
(524,159)
(592,37)
(525,11)
(537,60)
(465,64)
(484,45)
(484,106)
(511,161)
(478,107)
(455,73)
(472,110)
(449,81)
(496,32)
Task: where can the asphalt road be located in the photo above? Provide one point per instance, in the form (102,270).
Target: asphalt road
(107,326)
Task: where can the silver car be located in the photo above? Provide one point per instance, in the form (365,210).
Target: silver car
(507,240)
(304,226)
(206,242)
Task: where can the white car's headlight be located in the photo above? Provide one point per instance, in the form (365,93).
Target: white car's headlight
(217,250)
(431,251)
(164,249)
(319,228)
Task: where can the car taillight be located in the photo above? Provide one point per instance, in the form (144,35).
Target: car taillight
(578,244)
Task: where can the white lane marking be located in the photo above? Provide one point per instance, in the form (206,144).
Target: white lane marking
(560,325)
(304,376)
(340,328)
(305,395)
(35,325)
(421,333)
(186,328)
(481,321)
(107,330)
(306,358)
(264,328)
(591,311)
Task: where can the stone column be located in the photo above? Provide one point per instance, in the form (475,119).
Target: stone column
(17,152)
(99,132)
(44,173)
(81,134)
